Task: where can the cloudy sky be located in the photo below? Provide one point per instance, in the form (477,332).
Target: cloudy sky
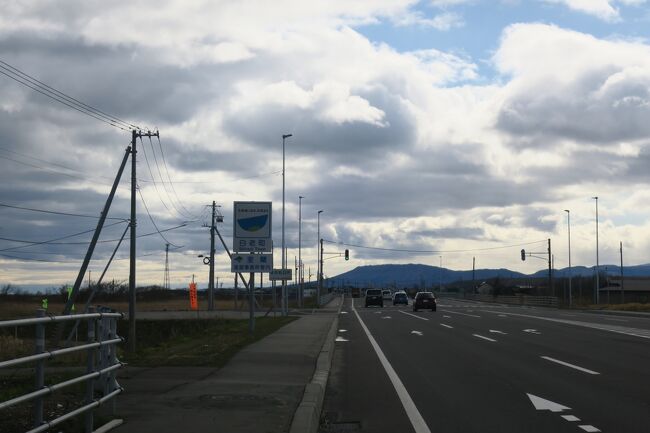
(446,125)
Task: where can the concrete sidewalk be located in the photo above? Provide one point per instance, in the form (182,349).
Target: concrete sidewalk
(257,391)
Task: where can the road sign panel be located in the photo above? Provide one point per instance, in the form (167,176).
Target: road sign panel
(280,275)
(252,227)
(251,263)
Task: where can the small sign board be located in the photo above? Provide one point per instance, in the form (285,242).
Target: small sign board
(280,275)
(251,263)
(252,227)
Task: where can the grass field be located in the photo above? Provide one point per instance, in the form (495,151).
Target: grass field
(160,343)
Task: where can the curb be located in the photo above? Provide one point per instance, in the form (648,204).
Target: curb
(307,416)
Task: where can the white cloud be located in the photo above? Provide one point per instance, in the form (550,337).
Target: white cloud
(603,9)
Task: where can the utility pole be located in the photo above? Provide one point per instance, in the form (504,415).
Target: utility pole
(211,275)
(473,274)
(251,303)
(166,282)
(597,261)
(550,269)
(284,253)
(568,221)
(320,274)
(300,279)
(622,287)
(134,136)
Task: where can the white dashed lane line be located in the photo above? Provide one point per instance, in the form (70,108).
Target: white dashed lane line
(447,326)
(413,315)
(566,364)
(462,314)
(485,338)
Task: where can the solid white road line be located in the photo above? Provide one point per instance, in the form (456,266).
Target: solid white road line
(446,326)
(571,418)
(413,315)
(462,314)
(566,364)
(418,423)
(484,338)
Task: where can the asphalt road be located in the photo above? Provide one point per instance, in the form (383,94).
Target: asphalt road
(473,367)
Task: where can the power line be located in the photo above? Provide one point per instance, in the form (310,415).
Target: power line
(52,241)
(153,222)
(182,211)
(58,213)
(52,93)
(155,184)
(431,251)
(167,172)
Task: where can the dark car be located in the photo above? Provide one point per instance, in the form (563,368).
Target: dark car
(400,298)
(374,297)
(425,301)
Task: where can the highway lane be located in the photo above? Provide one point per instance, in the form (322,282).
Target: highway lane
(463,377)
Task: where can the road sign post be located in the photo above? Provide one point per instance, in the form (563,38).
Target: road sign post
(252,241)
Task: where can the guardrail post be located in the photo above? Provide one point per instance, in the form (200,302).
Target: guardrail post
(112,361)
(90,367)
(40,369)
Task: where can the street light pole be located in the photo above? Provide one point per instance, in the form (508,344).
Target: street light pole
(568,222)
(318,262)
(597,261)
(284,255)
(299,276)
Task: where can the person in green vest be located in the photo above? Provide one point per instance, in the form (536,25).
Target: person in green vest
(44,303)
(69,295)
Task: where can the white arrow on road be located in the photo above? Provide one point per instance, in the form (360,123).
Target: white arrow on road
(341,339)
(416,332)
(532,331)
(543,404)
(494,331)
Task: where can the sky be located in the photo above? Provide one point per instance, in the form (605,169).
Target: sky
(460,127)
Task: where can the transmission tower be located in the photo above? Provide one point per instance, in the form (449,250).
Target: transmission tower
(166,283)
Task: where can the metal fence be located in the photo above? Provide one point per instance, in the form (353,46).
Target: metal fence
(101,366)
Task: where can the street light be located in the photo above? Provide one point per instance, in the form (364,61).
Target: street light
(299,276)
(597,261)
(284,253)
(568,223)
(318,262)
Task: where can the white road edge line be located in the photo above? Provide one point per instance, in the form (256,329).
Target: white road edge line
(418,317)
(566,364)
(418,423)
(485,338)
(447,326)
(462,314)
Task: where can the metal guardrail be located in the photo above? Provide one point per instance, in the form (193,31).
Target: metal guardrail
(542,301)
(101,364)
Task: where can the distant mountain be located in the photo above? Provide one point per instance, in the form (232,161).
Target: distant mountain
(417,274)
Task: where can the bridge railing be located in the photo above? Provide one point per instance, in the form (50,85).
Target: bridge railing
(101,365)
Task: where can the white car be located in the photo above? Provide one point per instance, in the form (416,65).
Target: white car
(387,295)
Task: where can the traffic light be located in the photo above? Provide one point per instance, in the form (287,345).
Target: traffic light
(523,255)
(347,254)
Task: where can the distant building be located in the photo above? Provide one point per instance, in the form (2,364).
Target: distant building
(634,289)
